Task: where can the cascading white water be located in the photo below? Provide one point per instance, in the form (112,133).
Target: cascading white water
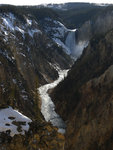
(75,49)
(48,107)
(66,38)
(70,41)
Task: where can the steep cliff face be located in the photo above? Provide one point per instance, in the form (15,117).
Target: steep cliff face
(64,37)
(96,58)
(90,124)
(86,102)
(30,45)
(28,59)
(88,19)
(98,24)
(33,45)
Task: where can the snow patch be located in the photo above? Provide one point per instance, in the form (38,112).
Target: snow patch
(20,30)
(5,54)
(21,54)
(14,81)
(29,22)
(31,32)
(11,16)
(55,66)
(5,32)
(7,118)
(8,23)
(25,97)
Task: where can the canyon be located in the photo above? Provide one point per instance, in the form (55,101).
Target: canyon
(56,76)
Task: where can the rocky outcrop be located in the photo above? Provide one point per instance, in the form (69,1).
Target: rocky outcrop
(29,56)
(30,45)
(41,136)
(90,125)
(28,59)
(85,99)
(96,58)
(98,24)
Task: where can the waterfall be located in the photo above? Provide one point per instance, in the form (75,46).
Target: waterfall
(75,48)
(71,41)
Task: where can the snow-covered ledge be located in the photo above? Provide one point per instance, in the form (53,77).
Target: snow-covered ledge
(8,119)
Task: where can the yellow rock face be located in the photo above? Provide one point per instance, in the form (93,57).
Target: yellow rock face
(39,137)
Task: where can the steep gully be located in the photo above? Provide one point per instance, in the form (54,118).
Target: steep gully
(48,107)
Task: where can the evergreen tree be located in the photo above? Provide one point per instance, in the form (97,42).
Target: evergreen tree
(36,101)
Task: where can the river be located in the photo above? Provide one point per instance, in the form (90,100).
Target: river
(48,107)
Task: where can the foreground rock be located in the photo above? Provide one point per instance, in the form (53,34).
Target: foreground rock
(41,136)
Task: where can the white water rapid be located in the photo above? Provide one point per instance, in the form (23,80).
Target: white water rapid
(48,107)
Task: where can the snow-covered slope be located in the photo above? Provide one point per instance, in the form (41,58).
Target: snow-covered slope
(13,121)
(28,43)
(26,58)
(9,24)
